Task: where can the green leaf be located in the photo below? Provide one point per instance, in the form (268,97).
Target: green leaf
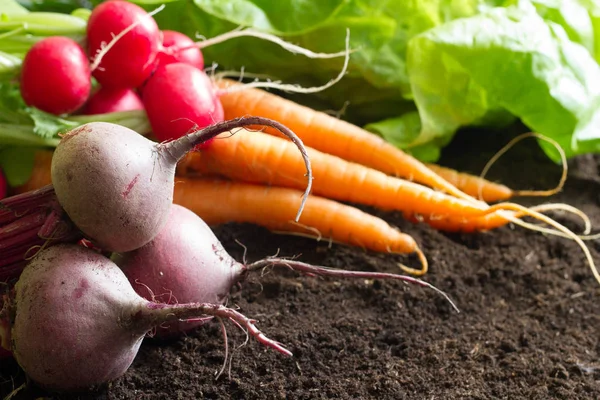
(47,125)
(17,164)
(505,61)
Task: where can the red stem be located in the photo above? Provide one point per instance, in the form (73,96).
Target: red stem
(14,207)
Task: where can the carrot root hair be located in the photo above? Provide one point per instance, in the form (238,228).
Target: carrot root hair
(563,230)
(512,143)
(424,264)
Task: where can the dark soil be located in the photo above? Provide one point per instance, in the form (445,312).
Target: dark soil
(528,327)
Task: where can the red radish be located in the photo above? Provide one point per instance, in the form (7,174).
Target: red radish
(130,59)
(79,323)
(186,263)
(178,47)
(3,185)
(117,186)
(55,76)
(107,100)
(179,98)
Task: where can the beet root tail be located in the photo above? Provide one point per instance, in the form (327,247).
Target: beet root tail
(156,314)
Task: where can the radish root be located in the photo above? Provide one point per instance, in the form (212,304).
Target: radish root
(250,32)
(290,87)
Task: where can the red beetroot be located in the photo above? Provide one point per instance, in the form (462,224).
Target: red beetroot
(117,186)
(55,76)
(79,323)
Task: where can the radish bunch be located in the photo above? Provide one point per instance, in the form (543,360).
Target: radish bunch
(136,65)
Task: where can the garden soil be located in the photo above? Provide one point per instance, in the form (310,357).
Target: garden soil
(528,327)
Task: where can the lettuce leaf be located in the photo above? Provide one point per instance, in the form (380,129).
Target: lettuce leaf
(505,62)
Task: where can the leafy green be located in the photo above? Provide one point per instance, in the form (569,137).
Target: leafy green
(519,65)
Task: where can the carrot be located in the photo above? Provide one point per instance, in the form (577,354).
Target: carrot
(330,135)
(40,175)
(260,158)
(472,185)
(219,201)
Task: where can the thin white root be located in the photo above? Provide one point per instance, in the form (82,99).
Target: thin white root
(250,32)
(541,217)
(509,145)
(97,59)
(290,87)
(224,331)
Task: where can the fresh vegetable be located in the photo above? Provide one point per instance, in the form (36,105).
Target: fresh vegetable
(263,158)
(117,186)
(55,76)
(329,134)
(177,47)
(200,270)
(127,60)
(178,99)
(79,323)
(107,100)
(219,201)
(475,186)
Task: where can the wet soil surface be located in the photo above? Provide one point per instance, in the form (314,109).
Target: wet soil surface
(528,326)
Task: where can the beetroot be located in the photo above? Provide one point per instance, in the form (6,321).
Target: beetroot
(117,186)
(186,262)
(79,323)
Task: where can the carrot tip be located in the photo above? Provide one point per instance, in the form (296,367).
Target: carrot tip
(414,271)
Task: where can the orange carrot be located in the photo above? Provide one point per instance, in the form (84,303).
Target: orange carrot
(473,185)
(40,176)
(330,135)
(220,201)
(260,158)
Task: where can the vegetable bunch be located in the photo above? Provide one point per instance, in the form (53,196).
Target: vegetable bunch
(111,230)
(104,240)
